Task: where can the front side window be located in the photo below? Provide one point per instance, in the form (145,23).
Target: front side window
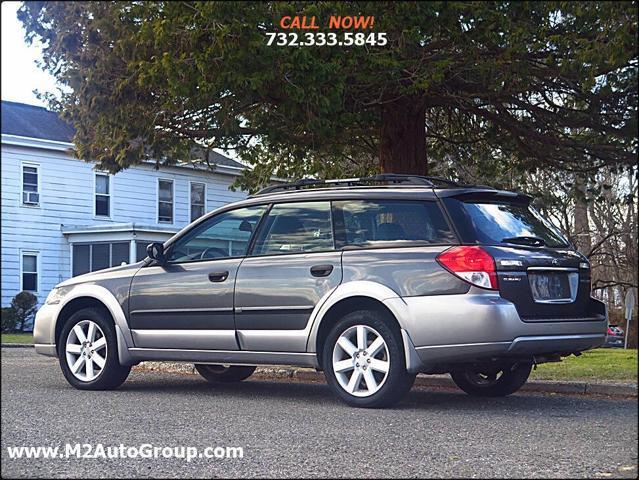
(102,195)
(89,257)
(296,228)
(368,223)
(222,236)
(30,190)
(30,271)
(198,200)
(165,201)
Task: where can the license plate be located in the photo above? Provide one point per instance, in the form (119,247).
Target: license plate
(550,286)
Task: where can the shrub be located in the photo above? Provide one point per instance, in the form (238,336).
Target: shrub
(24,306)
(8,319)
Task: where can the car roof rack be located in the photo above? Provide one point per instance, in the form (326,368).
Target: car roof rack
(384,178)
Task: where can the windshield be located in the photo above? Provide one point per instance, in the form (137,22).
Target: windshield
(492,223)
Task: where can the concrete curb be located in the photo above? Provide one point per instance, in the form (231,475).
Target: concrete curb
(16,345)
(548,386)
(427,381)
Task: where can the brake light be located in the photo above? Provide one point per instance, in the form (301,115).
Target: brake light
(472,264)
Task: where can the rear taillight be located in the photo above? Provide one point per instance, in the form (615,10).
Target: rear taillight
(472,264)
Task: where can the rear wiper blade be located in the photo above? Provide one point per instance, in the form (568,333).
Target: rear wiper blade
(524,240)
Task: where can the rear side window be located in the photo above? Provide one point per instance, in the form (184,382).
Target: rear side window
(296,228)
(369,223)
(492,223)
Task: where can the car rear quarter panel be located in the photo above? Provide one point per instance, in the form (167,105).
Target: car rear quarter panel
(409,272)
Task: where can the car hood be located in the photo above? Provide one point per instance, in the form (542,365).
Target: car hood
(108,273)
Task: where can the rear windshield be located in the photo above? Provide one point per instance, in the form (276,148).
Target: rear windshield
(370,223)
(491,223)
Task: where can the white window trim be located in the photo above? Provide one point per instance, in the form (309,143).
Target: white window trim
(37,167)
(157,203)
(38,272)
(191,203)
(110,177)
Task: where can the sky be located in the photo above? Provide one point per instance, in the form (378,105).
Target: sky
(20,74)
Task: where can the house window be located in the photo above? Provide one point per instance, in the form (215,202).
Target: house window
(102,195)
(30,271)
(100,256)
(140,249)
(89,257)
(120,253)
(30,190)
(198,200)
(165,201)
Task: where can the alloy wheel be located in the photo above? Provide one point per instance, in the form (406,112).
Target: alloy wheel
(86,350)
(361,361)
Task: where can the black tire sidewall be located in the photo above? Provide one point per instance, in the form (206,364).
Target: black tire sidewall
(508,383)
(113,374)
(397,383)
(234,373)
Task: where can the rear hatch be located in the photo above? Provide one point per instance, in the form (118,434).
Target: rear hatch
(537,269)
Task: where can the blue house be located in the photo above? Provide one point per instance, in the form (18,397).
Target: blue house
(62,217)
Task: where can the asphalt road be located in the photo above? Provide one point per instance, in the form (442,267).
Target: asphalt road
(300,429)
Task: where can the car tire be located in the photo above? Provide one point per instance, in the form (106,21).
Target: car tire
(511,378)
(363,360)
(224,374)
(88,351)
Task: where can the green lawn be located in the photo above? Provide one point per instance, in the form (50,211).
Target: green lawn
(16,338)
(605,364)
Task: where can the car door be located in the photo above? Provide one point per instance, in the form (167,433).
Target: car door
(187,303)
(292,265)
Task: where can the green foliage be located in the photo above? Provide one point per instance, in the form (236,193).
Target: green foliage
(533,84)
(9,320)
(23,307)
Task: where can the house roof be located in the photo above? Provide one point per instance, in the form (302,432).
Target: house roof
(32,121)
(219,159)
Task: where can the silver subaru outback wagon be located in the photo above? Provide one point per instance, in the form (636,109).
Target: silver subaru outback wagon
(371,280)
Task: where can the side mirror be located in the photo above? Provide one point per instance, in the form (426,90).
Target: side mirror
(246,226)
(155,251)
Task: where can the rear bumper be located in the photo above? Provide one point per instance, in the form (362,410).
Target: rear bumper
(438,358)
(555,344)
(450,329)
(614,341)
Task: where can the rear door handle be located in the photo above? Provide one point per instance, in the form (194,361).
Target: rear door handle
(218,276)
(321,270)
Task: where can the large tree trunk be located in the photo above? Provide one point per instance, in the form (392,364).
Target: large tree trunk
(582,224)
(402,147)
